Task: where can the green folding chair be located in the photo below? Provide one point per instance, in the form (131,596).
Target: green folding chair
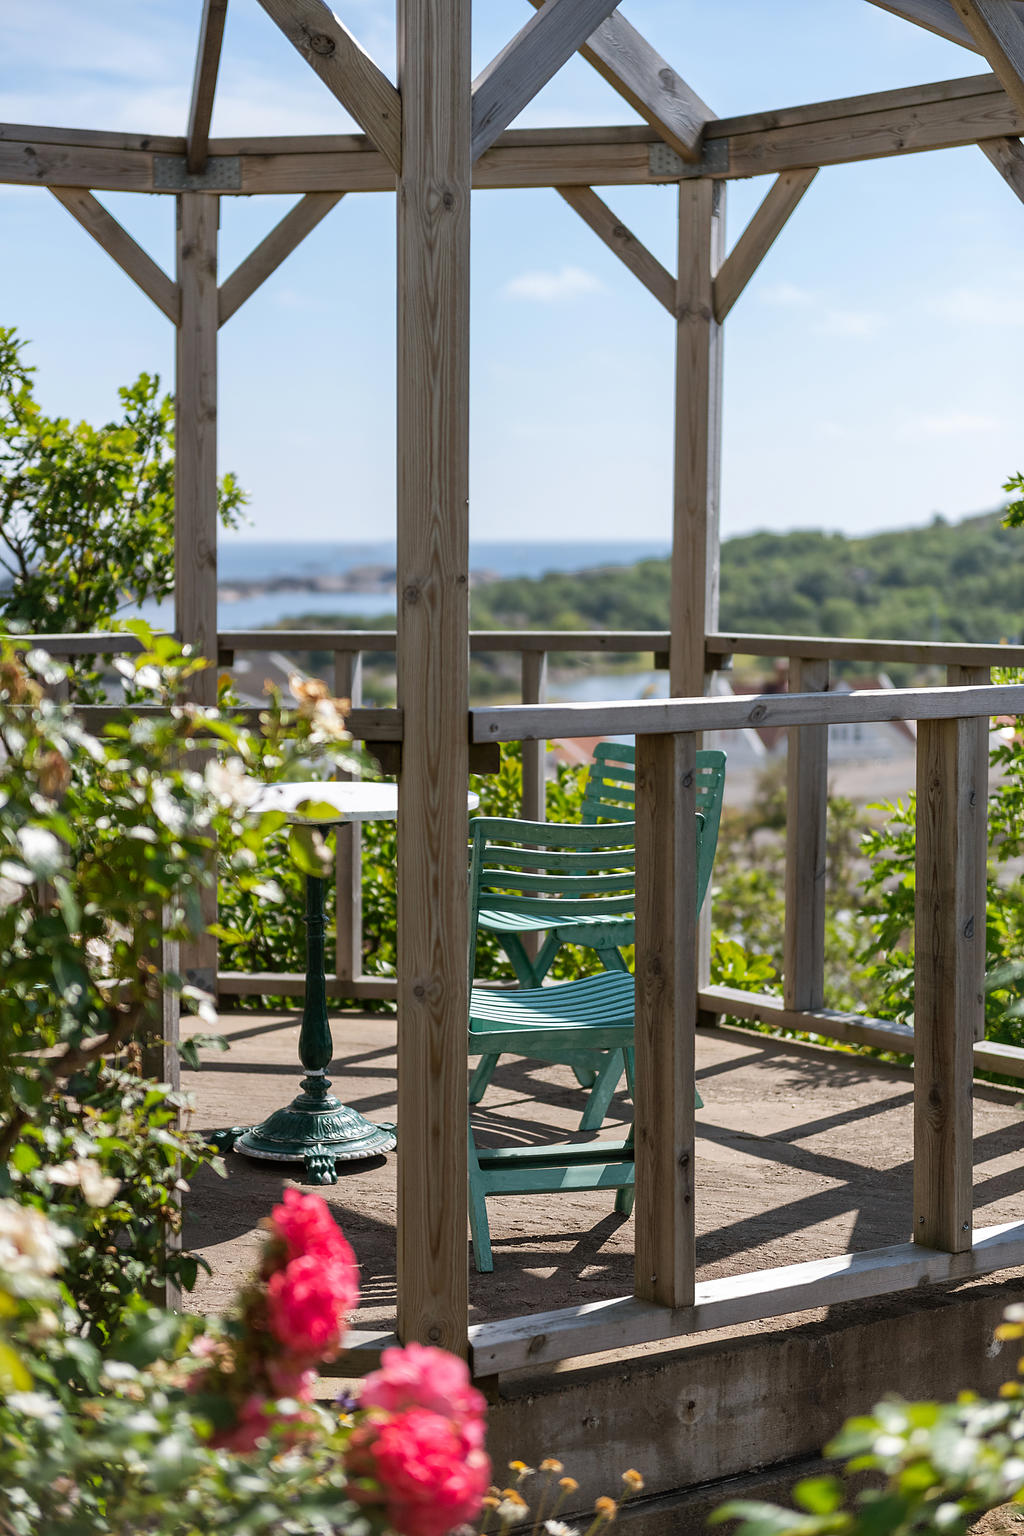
(609,796)
(544,874)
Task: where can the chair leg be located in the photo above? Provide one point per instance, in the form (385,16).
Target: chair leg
(625,1196)
(481,1078)
(479,1229)
(602,1092)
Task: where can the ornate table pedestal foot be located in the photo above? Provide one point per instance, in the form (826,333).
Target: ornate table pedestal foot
(315,1129)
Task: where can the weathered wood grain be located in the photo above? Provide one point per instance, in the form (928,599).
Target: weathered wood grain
(806,815)
(997,27)
(204,83)
(1007,155)
(758,238)
(626,60)
(120,246)
(596,1326)
(630,251)
(977,735)
(526,64)
(936,16)
(693,608)
(517,722)
(348,858)
(345,68)
(265,258)
(666,1017)
(195,486)
(433,668)
(949,975)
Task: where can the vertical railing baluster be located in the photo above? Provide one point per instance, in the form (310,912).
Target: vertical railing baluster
(979,732)
(806,818)
(666,1016)
(535,691)
(348,889)
(949,942)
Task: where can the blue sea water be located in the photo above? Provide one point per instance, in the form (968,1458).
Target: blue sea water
(256,561)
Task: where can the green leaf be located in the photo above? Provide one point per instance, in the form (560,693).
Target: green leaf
(309,852)
(819,1495)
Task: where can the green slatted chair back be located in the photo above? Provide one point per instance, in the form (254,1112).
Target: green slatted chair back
(610,795)
(542,874)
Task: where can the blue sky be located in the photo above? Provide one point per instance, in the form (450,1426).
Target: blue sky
(872,367)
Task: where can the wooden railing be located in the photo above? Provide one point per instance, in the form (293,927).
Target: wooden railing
(809,657)
(946,1043)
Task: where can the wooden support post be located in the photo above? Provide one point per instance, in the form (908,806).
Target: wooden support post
(162,1063)
(623,242)
(274,248)
(997,27)
(666,1014)
(204,83)
(806,815)
(348,886)
(758,238)
(433,668)
(698,456)
(526,64)
(978,732)
(1007,155)
(118,244)
(195,485)
(949,981)
(695,553)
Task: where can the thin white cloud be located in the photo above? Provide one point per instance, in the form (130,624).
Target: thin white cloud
(827,319)
(553,287)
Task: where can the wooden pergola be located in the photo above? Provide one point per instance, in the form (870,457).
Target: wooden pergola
(433,137)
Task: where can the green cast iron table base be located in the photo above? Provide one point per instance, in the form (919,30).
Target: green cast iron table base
(315,1129)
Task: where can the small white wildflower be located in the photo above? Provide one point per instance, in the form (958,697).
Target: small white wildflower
(231,785)
(10,891)
(559,1528)
(37,1405)
(118,1370)
(41,851)
(170,811)
(98,1189)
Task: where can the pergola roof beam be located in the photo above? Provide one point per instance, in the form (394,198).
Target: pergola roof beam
(626,60)
(630,251)
(997,27)
(120,246)
(204,83)
(528,62)
(1007,155)
(936,16)
(265,258)
(758,238)
(345,68)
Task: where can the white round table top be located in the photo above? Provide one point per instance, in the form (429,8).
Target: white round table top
(349,800)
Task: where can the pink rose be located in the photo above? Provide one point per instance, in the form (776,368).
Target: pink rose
(307,1228)
(307,1304)
(432,1477)
(419,1376)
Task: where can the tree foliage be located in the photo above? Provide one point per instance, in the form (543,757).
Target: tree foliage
(86,513)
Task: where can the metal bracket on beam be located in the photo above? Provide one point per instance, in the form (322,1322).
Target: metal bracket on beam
(664,162)
(223,173)
(665,165)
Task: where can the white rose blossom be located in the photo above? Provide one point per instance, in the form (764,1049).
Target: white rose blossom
(98,1188)
(30,1244)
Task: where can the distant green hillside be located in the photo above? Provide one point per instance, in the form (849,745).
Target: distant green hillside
(948,581)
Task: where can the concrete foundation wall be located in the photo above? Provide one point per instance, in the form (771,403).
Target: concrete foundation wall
(724,1408)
